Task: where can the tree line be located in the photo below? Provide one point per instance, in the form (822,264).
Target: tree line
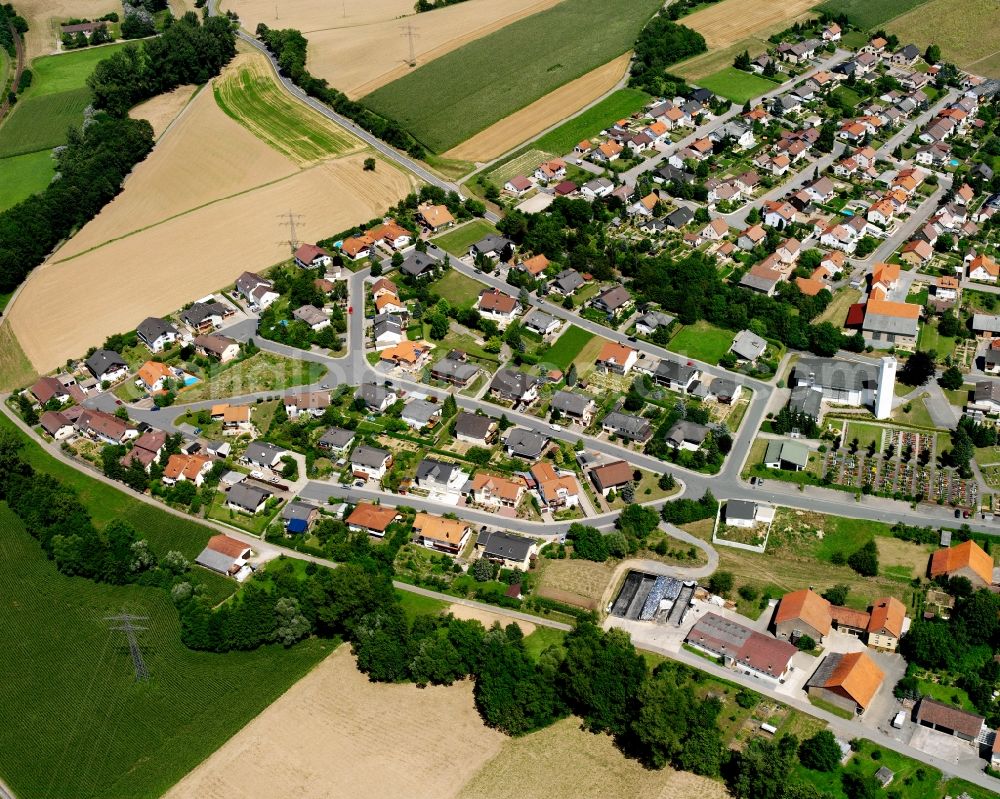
(91,167)
(289,47)
(660,44)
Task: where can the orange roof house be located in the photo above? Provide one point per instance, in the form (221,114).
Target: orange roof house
(490,487)
(887,617)
(848,680)
(535,265)
(382,300)
(440,533)
(384,286)
(435,216)
(372,518)
(802,612)
(356,246)
(809,286)
(886,274)
(152,373)
(617,357)
(967,559)
(185,467)
(236,414)
(407,353)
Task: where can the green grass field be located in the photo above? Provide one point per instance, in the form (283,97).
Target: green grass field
(458,241)
(40,123)
(621,104)
(60,73)
(449,99)
(702,341)
(459,290)
(967,31)
(253,99)
(24,175)
(567,347)
(104,502)
(736,85)
(869,14)
(73,721)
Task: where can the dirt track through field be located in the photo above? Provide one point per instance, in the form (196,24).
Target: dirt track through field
(730,21)
(314,15)
(359,59)
(70,305)
(542,114)
(335,734)
(163,109)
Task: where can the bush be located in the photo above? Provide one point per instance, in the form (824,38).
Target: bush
(721,583)
(865,560)
(805,643)
(821,752)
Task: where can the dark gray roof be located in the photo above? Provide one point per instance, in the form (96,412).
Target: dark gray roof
(247,496)
(416,263)
(473,425)
(748,345)
(104,361)
(687,431)
(504,545)
(216,561)
(740,509)
(672,174)
(568,402)
(390,325)
(454,370)
(263,452)
(373,394)
(336,438)
(613,298)
(679,217)
(632,427)
(655,319)
(674,371)
(723,387)
(200,311)
(567,281)
(492,243)
(525,443)
(248,281)
(910,52)
(298,510)
(538,320)
(987,391)
(435,470)
(152,327)
(364,455)
(421,411)
(834,374)
(512,383)
(806,400)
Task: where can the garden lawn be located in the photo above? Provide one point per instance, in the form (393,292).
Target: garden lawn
(458,241)
(929,339)
(24,175)
(73,720)
(567,347)
(541,639)
(419,605)
(459,290)
(702,341)
(619,105)
(836,311)
(737,85)
(869,14)
(918,415)
(447,100)
(263,371)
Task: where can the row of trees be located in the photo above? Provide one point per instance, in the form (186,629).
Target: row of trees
(662,43)
(289,47)
(8,17)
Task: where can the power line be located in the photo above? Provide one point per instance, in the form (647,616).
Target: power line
(290,221)
(411,34)
(126,624)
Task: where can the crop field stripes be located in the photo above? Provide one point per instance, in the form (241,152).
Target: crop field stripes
(252,98)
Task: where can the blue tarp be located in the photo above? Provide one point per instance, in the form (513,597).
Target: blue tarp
(297,525)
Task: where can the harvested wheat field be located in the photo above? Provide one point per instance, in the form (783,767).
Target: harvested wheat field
(44,16)
(357,60)
(206,156)
(565,762)
(542,114)
(316,15)
(167,265)
(334,734)
(163,109)
(574,580)
(487,617)
(725,23)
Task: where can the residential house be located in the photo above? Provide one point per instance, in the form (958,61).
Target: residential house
(46,389)
(535,265)
(153,376)
(357,247)
(456,371)
(523,443)
(157,334)
(222,348)
(444,535)
(311,256)
(675,375)
(986,395)
(391,234)
(370,463)
(687,435)
(203,317)
(407,355)
(616,358)
(613,300)
(235,418)
(551,170)
(848,681)
(891,323)
(778,214)
(611,476)
(258,292)
(56,425)
(312,403)
(263,454)
(245,498)
(967,560)
(336,440)
(556,490)
(983,268)
(387,330)
(421,413)
(299,516)
(886,624)
(102,426)
(496,248)
(567,282)
(510,551)
(418,264)
(598,187)
(724,390)
(501,308)
(800,613)
(226,555)
(541,323)
(107,366)
(515,386)
(749,651)
(442,479)
(791,456)
(434,217)
(475,428)
(181,468)
(371,519)
(751,237)
(494,491)
(312,316)
(748,346)
(577,407)
(627,426)
(651,321)
(917,252)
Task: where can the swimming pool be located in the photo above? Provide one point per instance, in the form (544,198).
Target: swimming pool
(190,380)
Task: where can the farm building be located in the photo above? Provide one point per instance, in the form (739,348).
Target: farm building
(849,681)
(754,653)
(950,720)
(226,555)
